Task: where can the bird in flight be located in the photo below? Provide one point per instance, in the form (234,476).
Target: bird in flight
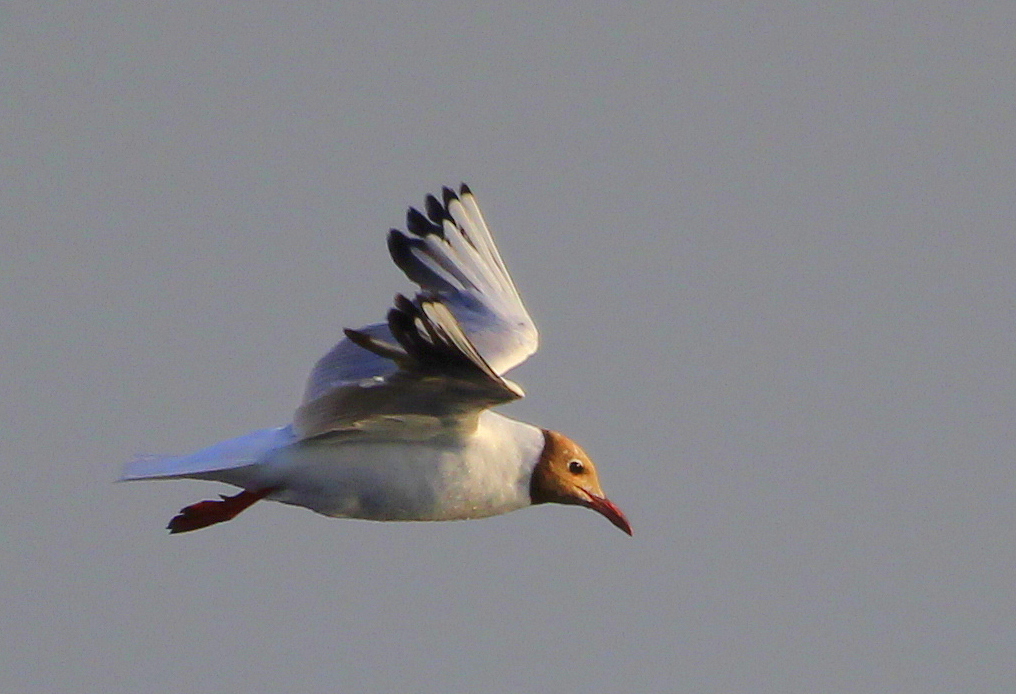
(396,421)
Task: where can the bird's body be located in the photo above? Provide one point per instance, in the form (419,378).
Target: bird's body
(436,475)
(395,423)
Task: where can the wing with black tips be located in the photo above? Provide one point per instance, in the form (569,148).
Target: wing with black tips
(450,253)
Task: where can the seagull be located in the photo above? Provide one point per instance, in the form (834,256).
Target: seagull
(396,421)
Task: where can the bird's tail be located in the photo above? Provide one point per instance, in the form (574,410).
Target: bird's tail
(239,452)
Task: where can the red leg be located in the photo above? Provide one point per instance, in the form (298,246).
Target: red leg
(205,513)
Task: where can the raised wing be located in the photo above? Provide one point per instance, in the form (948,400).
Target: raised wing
(440,380)
(450,253)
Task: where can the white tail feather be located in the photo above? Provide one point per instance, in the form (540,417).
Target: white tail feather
(239,452)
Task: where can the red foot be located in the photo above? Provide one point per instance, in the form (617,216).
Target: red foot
(205,513)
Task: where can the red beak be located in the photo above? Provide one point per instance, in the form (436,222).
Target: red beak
(608,510)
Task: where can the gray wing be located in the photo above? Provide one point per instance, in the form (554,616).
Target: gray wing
(439,380)
(451,254)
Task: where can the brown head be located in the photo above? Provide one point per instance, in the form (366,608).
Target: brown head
(566,475)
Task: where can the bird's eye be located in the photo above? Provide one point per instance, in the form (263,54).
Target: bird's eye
(576,468)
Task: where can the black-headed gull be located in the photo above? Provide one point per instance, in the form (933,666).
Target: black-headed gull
(395,423)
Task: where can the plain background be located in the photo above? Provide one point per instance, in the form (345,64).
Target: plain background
(770,247)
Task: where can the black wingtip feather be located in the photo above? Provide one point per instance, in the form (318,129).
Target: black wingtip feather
(435,210)
(417,224)
(448,195)
(400,247)
(358,338)
(379,347)
(401,323)
(404,304)
(464,190)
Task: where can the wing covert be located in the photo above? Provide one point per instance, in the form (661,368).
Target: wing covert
(439,378)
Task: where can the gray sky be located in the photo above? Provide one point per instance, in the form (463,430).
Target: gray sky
(769,246)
